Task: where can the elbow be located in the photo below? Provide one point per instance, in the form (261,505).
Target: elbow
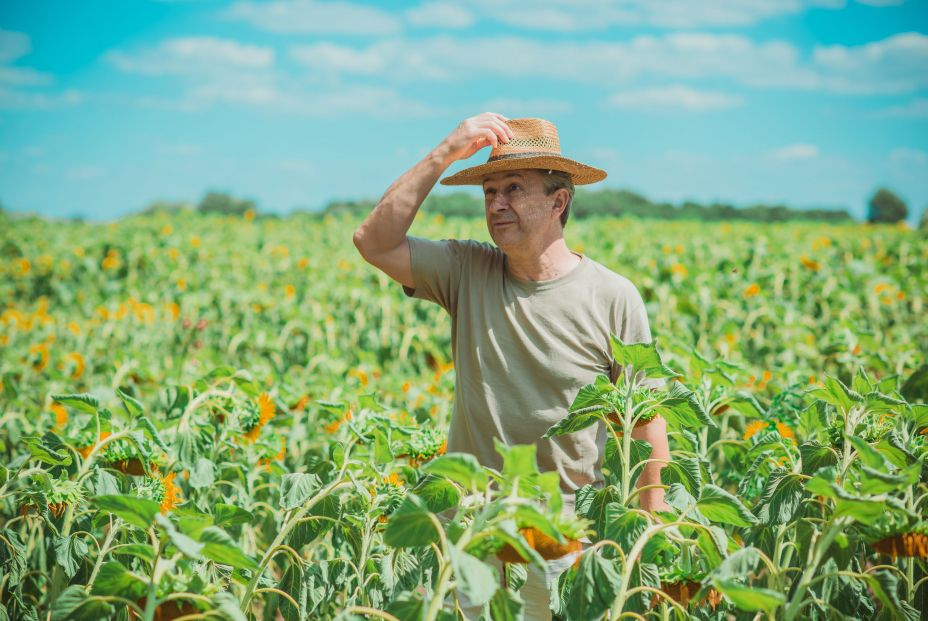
(360,242)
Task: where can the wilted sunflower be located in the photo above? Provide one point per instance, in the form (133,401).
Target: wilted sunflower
(256,419)
(911,545)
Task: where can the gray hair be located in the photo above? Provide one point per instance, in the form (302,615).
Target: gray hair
(555,180)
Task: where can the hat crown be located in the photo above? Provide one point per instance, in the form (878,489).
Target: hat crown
(530,136)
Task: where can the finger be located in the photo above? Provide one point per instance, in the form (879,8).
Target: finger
(492,138)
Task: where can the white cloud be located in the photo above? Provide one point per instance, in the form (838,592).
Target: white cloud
(440,15)
(674,98)
(568,16)
(914,109)
(85,173)
(512,107)
(189,55)
(311,17)
(18,99)
(798,151)
(904,156)
(894,64)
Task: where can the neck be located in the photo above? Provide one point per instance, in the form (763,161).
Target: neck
(552,261)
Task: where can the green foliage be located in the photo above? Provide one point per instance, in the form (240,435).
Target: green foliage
(222,203)
(886,207)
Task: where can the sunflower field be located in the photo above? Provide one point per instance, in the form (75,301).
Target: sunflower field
(216,417)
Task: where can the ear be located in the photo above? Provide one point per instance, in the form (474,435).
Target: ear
(560,201)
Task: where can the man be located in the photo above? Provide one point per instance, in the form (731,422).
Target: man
(530,318)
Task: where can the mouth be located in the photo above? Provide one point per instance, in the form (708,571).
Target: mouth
(499,224)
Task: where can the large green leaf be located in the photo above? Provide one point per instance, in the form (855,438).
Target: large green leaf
(83,402)
(139,512)
(815,456)
(751,597)
(837,394)
(518,461)
(411,525)
(594,588)
(438,493)
(576,421)
(296,488)
(73,604)
(462,468)
(474,579)
(218,546)
(115,579)
(781,498)
(722,507)
(506,606)
(69,553)
(641,357)
(685,471)
(681,408)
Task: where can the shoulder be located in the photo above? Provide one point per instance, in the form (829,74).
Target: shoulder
(612,284)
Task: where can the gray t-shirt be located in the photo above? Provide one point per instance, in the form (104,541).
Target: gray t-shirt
(523,349)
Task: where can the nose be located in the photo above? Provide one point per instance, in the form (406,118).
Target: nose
(498,202)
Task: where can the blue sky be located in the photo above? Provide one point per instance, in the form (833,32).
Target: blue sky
(107,106)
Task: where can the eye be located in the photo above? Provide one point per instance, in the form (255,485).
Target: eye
(514,185)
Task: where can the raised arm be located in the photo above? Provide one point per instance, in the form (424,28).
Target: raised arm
(381,238)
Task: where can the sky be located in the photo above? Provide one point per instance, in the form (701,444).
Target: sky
(107,106)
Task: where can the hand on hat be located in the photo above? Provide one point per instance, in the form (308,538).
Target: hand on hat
(475,133)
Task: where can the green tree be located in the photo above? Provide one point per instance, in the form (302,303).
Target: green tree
(885,206)
(220,202)
(923,224)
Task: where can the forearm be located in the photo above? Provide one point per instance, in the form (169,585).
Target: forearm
(655,434)
(386,226)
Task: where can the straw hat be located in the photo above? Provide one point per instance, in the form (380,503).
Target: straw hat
(535,145)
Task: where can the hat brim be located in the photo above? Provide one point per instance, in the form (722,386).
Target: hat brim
(581,174)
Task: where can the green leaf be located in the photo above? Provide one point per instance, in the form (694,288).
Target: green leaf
(203,474)
(474,579)
(577,421)
(229,515)
(880,482)
(594,588)
(104,483)
(411,525)
(751,598)
(885,586)
(738,565)
(115,579)
(518,461)
(681,408)
(292,584)
(143,551)
(686,472)
(837,394)
(138,512)
(319,521)
(916,387)
(296,488)
(83,402)
(148,426)
(69,553)
(187,546)
(506,606)
(39,450)
(219,547)
(815,456)
(132,406)
(381,447)
(641,357)
(781,498)
(73,604)
(227,606)
(438,493)
(462,468)
(722,507)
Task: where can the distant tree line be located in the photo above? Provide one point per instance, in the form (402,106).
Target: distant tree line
(611,202)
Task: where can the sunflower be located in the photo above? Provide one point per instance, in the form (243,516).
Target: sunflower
(265,412)
(911,545)
(753,427)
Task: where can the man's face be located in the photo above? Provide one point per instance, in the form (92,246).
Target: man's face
(517,209)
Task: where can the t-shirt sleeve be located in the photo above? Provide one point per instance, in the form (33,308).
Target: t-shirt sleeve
(633,327)
(436,270)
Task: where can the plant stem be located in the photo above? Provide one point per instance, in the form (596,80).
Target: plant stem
(816,554)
